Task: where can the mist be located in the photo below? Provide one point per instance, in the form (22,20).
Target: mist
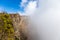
(44,23)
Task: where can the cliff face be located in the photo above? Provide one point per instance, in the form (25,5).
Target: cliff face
(20,25)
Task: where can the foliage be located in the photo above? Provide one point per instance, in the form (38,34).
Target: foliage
(6,27)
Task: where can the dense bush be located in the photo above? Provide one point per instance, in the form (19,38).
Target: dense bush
(6,27)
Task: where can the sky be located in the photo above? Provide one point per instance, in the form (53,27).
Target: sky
(14,6)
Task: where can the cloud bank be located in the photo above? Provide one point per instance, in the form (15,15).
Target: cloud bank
(46,20)
(30,8)
(23,3)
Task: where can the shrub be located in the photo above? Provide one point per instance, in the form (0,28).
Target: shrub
(7,28)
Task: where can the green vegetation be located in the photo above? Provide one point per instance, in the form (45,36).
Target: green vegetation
(6,27)
(7,31)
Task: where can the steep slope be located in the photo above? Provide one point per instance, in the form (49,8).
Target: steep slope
(19,27)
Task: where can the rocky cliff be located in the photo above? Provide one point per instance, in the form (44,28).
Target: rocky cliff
(20,25)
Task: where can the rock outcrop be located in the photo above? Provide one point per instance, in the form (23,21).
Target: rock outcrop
(20,25)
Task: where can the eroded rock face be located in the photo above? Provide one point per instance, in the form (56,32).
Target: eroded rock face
(20,26)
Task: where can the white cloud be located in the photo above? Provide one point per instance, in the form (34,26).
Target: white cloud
(21,13)
(30,8)
(23,3)
(47,20)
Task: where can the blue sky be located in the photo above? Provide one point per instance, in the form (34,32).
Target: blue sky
(10,5)
(13,5)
